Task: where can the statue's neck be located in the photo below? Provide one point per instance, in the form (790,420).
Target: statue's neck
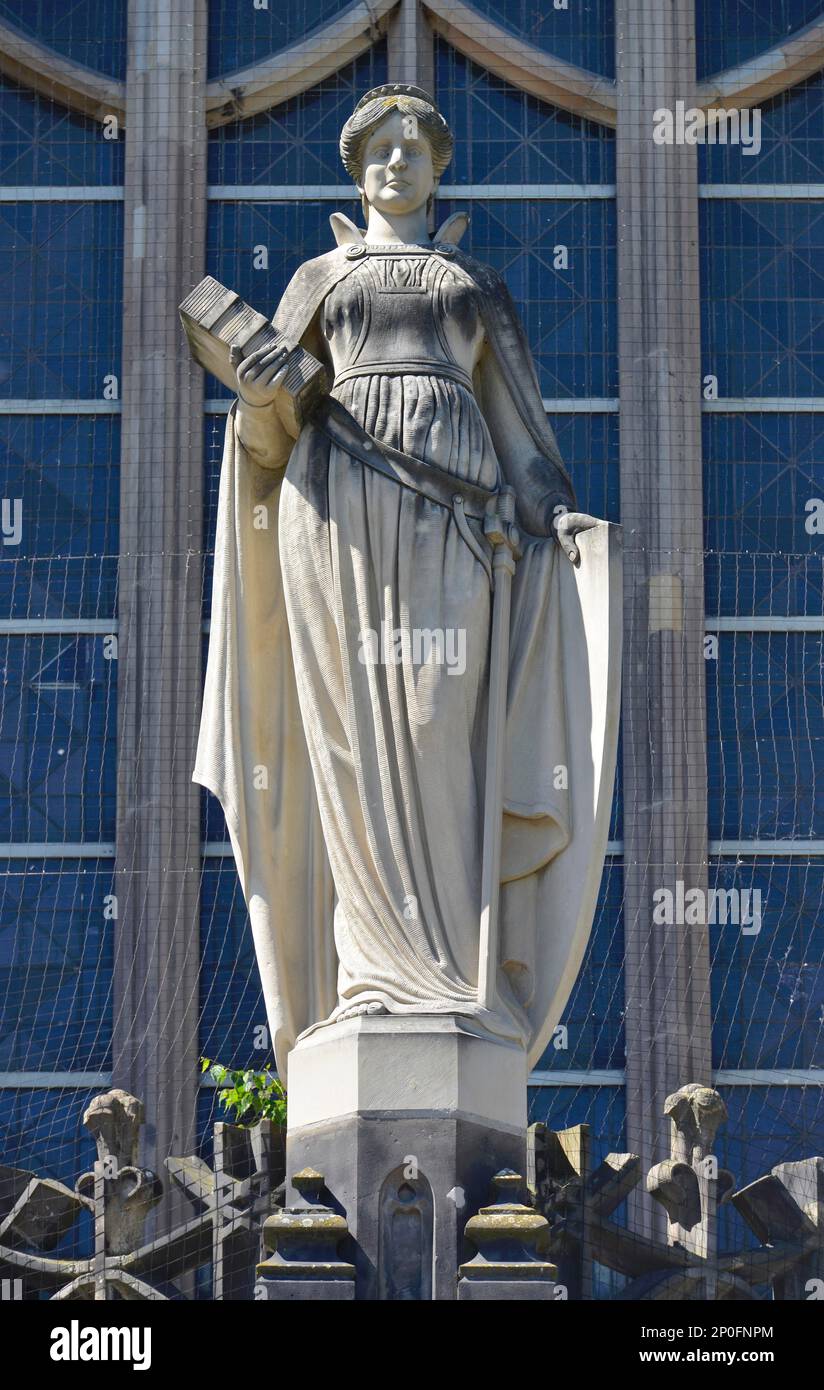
(408,230)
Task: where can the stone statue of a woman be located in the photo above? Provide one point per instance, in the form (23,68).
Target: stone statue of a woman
(344,723)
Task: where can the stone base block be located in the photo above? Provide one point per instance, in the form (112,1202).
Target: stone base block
(415,1065)
(506,1290)
(408,1120)
(304,1290)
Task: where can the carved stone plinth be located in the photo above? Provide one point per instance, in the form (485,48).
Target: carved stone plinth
(511,1240)
(304,1264)
(408,1120)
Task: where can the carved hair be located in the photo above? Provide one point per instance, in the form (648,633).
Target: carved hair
(375,106)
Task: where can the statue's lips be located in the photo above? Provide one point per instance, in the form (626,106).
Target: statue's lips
(396,183)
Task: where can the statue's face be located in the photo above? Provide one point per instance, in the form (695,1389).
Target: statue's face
(397,166)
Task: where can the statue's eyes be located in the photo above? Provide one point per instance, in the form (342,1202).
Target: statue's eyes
(384,151)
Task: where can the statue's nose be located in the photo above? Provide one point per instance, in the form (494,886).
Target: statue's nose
(397,161)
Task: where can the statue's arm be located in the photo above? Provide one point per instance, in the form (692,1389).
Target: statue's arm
(264,434)
(528,464)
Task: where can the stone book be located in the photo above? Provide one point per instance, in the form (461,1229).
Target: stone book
(217,321)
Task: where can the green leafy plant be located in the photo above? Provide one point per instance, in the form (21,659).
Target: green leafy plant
(248,1096)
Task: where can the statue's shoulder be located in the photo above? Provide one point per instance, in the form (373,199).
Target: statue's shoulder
(310,283)
(477,269)
(318,268)
(319,264)
(489,281)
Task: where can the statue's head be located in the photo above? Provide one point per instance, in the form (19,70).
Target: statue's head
(395,146)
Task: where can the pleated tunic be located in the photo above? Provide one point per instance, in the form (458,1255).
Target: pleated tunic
(389,615)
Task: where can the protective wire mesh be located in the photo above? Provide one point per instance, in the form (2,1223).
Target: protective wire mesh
(124,941)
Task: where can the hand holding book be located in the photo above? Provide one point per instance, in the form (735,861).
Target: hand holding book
(261,374)
(233,342)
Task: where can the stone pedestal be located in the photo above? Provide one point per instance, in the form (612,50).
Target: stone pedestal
(511,1241)
(408,1120)
(304,1264)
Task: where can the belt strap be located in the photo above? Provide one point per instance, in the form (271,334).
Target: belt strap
(434,483)
(408,368)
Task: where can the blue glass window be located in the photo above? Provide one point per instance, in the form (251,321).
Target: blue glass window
(583,34)
(61,299)
(594,1015)
(737,30)
(64,470)
(761,472)
(762,275)
(42,142)
(768,1125)
(57,739)
(244,34)
(56,950)
(296,143)
(768,974)
(589,448)
(208,1112)
(91,32)
(788,149)
(765,736)
(504,135)
(233,1017)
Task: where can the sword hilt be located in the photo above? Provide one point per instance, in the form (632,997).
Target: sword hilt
(499,525)
(506,505)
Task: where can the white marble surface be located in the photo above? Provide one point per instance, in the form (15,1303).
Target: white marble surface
(405,1066)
